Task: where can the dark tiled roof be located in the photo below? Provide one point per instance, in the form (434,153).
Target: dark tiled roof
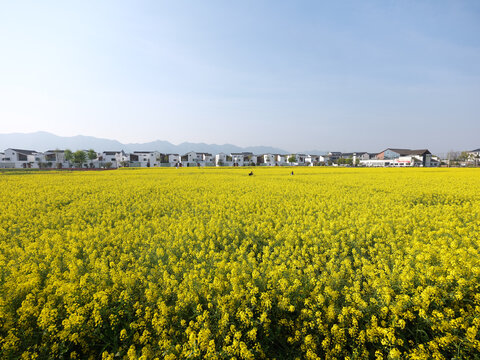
(399,151)
(404,152)
(418,152)
(26,152)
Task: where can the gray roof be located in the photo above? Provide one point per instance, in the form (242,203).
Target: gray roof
(404,152)
(25,152)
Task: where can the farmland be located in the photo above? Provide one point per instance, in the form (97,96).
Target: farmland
(212,263)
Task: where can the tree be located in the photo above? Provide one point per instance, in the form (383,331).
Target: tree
(464,156)
(162,158)
(79,157)
(108,165)
(292,159)
(92,155)
(68,156)
(452,157)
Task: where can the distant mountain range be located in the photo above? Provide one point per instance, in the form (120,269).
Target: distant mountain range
(43,141)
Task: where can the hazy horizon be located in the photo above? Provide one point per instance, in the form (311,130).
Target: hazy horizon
(293,75)
(311,151)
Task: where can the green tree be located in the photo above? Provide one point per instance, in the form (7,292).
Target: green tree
(463,156)
(79,157)
(292,159)
(92,155)
(68,156)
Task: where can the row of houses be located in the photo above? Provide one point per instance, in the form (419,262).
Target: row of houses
(20,158)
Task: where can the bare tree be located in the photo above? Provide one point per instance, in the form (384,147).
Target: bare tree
(452,157)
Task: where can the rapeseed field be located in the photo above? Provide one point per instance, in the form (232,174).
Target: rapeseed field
(214,264)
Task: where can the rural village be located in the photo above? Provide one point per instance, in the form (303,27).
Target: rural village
(90,159)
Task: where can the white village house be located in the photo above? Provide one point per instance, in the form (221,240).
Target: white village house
(223,159)
(144,158)
(392,157)
(243,159)
(114,158)
(299,159)
(22,159)
(237,159)
(266,160)
(281,160)
(406,157)
(170,160)
(55,159)
(474,156)
(193,158)
(312,160)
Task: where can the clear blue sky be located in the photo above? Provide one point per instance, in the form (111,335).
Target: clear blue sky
(300,75)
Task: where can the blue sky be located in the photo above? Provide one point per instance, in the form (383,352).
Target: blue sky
(299,75)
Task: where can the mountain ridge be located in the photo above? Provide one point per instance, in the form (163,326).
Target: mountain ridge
(43,141)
